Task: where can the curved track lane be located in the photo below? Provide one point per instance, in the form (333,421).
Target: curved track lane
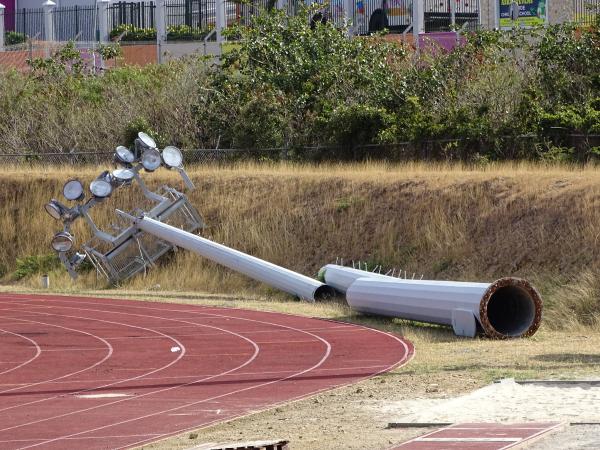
(101,373)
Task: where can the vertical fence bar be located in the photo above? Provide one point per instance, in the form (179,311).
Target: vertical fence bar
(161,27)
(48,7)
(418,20)
(220,18)
(104,33)
(2,8)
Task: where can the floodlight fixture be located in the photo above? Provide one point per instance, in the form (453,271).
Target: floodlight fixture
(172,157)
(151,159)
(77,259)
(73,190)
(124,156)
(123,175)
(102,186)
(62,242)
(146,140)
(56,209)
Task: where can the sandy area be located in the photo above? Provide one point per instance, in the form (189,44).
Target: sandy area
(505,401)
(575,404)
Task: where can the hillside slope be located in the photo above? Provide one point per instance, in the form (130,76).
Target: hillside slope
(540,223)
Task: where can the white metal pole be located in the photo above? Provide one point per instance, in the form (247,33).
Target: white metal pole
(220,19)
(48,7)
(161,28)
(349,16)
(2,7)
(509,307)
(418,20)
(279,277)
(452,13)
(103,30)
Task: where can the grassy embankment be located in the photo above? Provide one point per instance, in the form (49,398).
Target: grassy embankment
(540,223)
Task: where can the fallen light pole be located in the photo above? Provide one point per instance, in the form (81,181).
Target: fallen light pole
(506,308)
(279,277)
(170,222)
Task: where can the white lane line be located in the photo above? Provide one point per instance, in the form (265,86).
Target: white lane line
(404,359)
(237,391)
(257,373)
(180,355)
(323,359)
(533,436)
(248,361)
(108,355)
(119,436)
(498,439)
(83,349)
(38,351)
(107,395)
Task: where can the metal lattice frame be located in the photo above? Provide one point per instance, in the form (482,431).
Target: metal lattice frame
(138,250)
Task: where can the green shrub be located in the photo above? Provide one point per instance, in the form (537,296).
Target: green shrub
(498,96)
(174,33)
(14,38)
(33,265)
(358,124)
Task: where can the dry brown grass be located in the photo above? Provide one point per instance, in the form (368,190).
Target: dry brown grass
(442,221)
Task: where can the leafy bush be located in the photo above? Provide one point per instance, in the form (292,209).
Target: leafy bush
(133,33)
(174,33)
(14,38)
(33,265)
(499,96)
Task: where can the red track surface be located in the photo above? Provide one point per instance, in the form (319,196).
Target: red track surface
(162,369)
(479,436)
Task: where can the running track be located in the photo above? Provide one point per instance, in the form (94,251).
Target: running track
(101,373)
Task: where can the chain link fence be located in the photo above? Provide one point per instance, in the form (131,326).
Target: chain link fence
(579,147)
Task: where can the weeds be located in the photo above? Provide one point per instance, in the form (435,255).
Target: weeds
(439,221)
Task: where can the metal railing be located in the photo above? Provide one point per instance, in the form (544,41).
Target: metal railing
(448,15)
(75,23)
(27,21)
(138,14)
(586,11)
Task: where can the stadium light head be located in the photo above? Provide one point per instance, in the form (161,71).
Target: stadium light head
(146,140)
(172,157)
(151,159)
(62,242)
(77,259)
(123,175)
(102,186)
(73,190)
(56,209)
(124,156)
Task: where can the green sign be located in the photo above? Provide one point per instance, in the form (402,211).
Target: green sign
(531,13)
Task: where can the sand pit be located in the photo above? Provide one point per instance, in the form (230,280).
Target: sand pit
(505,402)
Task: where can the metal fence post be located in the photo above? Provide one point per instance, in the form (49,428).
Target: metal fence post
(348,15)
(48,6)
(161,27)
(1,27)
(220,19)
(104,33)
(418,20)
